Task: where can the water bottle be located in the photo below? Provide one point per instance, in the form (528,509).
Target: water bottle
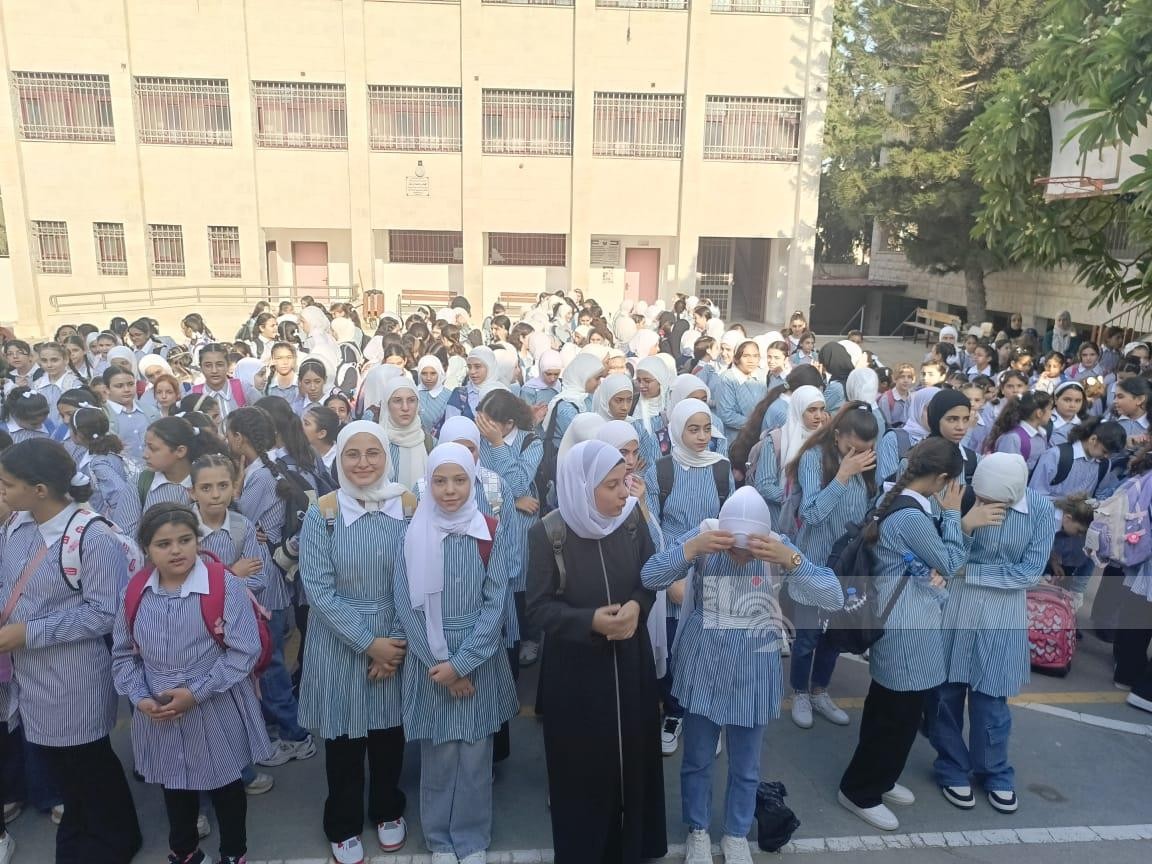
(921,573)
(852,600)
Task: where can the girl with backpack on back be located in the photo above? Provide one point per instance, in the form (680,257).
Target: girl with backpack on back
(1079,465)
(1130,404)
(112,497)
(171,445)
(26,413)
(896,443)
(230,393)
(835,471)
(192,689)
(1069,409)
(1020,428)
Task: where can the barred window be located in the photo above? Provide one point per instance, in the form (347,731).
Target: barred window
(419,119)
(167,242)
(764,7)
(111,254)
(752,128)
(528,250)
(642,4)
(224,251)
(183,111)
(425,247)
(638,124)
(50,250)
(528,122)
(63,107)
(300,116)
(532,2)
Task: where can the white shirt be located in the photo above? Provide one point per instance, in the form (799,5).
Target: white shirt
(195,583)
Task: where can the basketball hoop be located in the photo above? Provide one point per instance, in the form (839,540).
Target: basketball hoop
(1077,186)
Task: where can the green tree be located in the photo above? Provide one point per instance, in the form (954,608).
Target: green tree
(934,62)
(1096,55)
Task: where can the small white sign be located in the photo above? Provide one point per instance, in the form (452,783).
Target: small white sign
(417,187)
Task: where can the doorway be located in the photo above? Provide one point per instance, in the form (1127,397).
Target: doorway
(310,266)
(642,274)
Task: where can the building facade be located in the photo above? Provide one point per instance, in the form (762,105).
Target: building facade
(206,153)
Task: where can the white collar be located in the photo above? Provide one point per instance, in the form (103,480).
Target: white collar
(255,466)
(1143,421)
(195,583)
(896,395)
(54,528)
(14,427)
(206,529)
(351,509)
(1059,422)
(924,503)
(225,394)
(160,480)
(1029,428)
(510,438)
(1078,451)
(1021,506)
(117,408)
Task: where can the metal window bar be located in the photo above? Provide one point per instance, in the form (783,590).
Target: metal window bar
(715,266)
(642,4)
(638,124)
(425,247)
(531,2)
(224,251)
(300,116)
(528,250)
(50,247)
(764,7)
(183,111)
(746,128)
(528,122)
(63,107)
(167,242)
(111,253)
(416,119)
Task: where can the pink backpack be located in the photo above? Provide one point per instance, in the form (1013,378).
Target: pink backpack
(234,385)
(1051,630)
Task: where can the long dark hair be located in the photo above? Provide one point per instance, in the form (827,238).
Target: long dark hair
(91,426)
(178,432)
(502,406)
(42,461)
(1014,412)
(930,458)
(800,376)
(853,418)
(165,513)
(290,431)
(1108,432)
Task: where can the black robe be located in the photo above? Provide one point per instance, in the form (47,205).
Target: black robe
(604,811)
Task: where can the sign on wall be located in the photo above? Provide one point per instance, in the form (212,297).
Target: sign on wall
(605,253)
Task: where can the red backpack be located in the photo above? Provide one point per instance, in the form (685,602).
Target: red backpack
(236,388)
(211,608)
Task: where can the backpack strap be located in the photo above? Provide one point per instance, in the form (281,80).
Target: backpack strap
(236,530)
(132,597)
(198,389)
(329,506)
(71,545)
(665,479)
(1064,465)
(144,484)
(212,603)
(409,502)
(528,441)
(720,470)
(557,533)
(903,442)
(1025,442)
(971,460)
(237,387)
(485,546)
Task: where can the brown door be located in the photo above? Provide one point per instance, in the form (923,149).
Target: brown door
(642,274)
(310,267)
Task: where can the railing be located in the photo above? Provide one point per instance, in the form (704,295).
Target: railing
(857,316)
(1136,320)
(138,300)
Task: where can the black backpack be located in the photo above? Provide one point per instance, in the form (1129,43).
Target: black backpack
(546,470)
(856,627)
(298,492)
(666,479)
(1064,468)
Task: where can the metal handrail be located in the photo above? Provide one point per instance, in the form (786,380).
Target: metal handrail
(858,314)
(166,296)
(1136,319)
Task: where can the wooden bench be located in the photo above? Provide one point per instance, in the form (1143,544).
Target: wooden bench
(516,303)
(407,301)
(928,322)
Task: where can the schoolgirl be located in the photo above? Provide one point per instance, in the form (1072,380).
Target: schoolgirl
(26,414)
(166,393)
(544,385)
(191,687)
(142,339)
(251,437)
(70,400)
(312,378)
(481,363)
(949,416)
(57,377)
(805,351)
(772,410)
(654,378)
(835,470)
(408,444)
(864,386)
(281,380)
(450,590)
(1069,410)
(350,691)
(1090,446)
(581,378)
(983,359)
(1051,375)
(897,442)
(1089,365)
(206,406)
(171,445)
(80,362)
(1130,404)
(292,445)
(55,626)
(1013,384)
(985,637)
(264,334)
(340,404)
(806,414)
(112,496)
(104,343)
(740,388)
(977,425)
(229,393)
(838,363)
(197,334)
(1020,428)
(432,393)
(22,368)
(321,426)
(727,656)
(613,397)
(225,532)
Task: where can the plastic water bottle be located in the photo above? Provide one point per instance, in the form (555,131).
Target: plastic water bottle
(852,600)
(921,574)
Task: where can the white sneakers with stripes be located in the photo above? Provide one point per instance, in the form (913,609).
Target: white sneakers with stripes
(350,851)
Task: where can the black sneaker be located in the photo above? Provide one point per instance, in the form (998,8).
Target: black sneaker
(1005,802)
(959,796)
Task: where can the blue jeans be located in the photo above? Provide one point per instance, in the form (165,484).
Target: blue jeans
(456,796)
(744,744)
(983,762)
(672,707)
(276,696)
(812,661)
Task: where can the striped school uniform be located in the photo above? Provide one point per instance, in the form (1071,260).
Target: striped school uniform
(565,412)
(767,478)
(164,491)
(826,509)
(53,390)
(474,609)
(230,549)
(289,394)
(169,647)
(1010,442)
(777,414)
(112,496)
(130,426)
(894,407)
(349,575)
(1061,429)
(303,405)
(432,407)
(516,464)
(537,395)
(262,505)
(888,457)
(1083,476)
(834,396)
(977,435)
(736,397)
(19,434)
(1133,427)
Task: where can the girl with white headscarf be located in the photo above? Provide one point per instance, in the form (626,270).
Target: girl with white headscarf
(432,392)
(730,621)
(584,427)
(450,596)
(598,682)
(581,378)
(805,418)
(350,688)
(864,386)
(653,379)
(319,341)
(613,398)
(985,634)
(482,368)
(897,442)
(644,343)
(407,440)
(544,385)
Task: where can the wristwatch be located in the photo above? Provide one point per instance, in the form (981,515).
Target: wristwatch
(795,561)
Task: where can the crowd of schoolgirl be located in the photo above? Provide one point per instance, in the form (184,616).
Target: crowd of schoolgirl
(647,502)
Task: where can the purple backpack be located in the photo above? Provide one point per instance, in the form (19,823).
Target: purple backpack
(1120,531)
(1025,442)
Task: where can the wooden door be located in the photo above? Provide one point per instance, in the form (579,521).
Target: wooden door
(642,274)
(310,267)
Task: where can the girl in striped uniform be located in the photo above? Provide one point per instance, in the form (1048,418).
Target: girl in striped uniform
(282,373)
(225,532)
(481,364)
(977,425)
(432,392)
(908,660)
(112,496)
(57,377)
(895,443)
(838,362)
(311,382)
(544,386)
(728,656)
(985,636)
(1069,410)
(836,473)
(171,445)
(1013,384)
(408,443)
(56,633)
(129,420)
(739,389)
(654,379)
(1019,428)
(1130,404)
(1093,443)
(613,398)
(193,694)
(350,692)
(451,587)
(26,413)
(321,426)
(581,378)
(71,400)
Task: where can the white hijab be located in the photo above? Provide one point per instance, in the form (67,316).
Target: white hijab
(918,404)
(578,474)
(684,386)
(681,454)
(424,543)
(408,439)
(488,357)
(617,433)
(430,362)
(574,383)
(381,495)
(863,386)
(1001,477)
(794,434)
(583,427)
(646,409)
(374,385)
(460,428)
(608,389)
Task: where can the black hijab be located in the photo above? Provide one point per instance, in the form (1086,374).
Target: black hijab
(837,363)
(941,404)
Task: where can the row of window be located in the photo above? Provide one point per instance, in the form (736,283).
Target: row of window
(764,7)
(52,252)
(295,115)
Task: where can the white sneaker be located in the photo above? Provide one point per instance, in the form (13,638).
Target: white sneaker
(959,796)
(286,751)
(1139,702)
(698,848)
(444,858)
(1005,802)
(480,857)
(348,852)
(802,710)
(392,835)
(529,652)
(878,817)
(203,827)
(57,814)
(260,784)
(900,795)
(735,850)
(670,735)
(823,705)
(7,848)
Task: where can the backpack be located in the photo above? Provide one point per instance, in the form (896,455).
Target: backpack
(144,484)
(753,461)
(666,479)
(235,386)
(546,470)
(298,494)
(246,332)
(72,553)
(856,627)
(329,507)
(1064,468)
(557,530)
(1025,442)
(211,608)
(1119,533)
(347,379)
(903,445)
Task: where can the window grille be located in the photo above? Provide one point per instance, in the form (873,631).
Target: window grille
(167,242)
(183,111)
(418,119)
(642,4)
(300,116)
(425,247)
(50,248)
(638,124)
(528,122)
(752,128)
(224,251)
(531,2)
(528,250)
(764,7)
(111,254)
(63,107)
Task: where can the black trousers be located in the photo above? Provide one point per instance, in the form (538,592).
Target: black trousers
(5,734)
(888,730)
(231,805)
(1130,648)
(99,824)
(502,740)
(344,758)
(1110,595)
